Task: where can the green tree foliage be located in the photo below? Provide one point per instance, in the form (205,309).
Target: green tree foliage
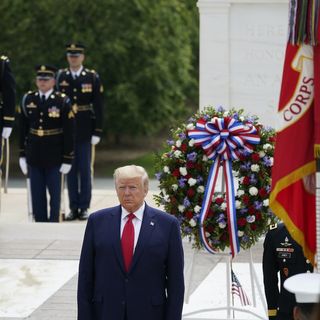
(145,51)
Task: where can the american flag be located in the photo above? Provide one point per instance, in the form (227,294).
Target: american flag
(236,289)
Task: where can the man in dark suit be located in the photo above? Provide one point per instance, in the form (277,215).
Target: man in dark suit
(131,264)
(46,142)
(281,255)
(7,102)
(84,88)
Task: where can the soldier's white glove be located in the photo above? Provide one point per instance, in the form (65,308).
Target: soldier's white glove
(23,165)
(65,168)
(6,131)
(95,140)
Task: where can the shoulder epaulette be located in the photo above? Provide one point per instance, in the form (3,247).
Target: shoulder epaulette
(5,58)
(273,226)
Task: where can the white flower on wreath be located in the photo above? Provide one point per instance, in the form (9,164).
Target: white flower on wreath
(181,207)
(261,154)
(190,126)
(222,225)
(191,143)
(267,146)
(223,206)
(207,234)
(200,189)
(166,198)
(238,204)
(265,203)
(177,153)
(204,158)
(197,209)
(241,180)
(253,191)
(166,169)
(271,161)
(255,168)
(192,223)
(183,171)
(192,182)
(240,193)
(178,143)
(241,118)
(240,233)
(251,219)
(174,187)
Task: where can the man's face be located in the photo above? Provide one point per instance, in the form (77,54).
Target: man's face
(45,85)
(75,61)
(131,193)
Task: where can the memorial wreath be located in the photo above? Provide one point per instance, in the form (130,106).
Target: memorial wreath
(237,215)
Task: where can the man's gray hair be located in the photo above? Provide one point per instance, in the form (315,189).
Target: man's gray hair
(131,171)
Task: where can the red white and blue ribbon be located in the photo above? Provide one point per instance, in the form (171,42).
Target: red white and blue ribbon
(223,140)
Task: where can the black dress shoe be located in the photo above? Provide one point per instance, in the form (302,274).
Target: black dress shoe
(83,215)
(73,215)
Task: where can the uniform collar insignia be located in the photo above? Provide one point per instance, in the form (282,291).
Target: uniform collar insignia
(64,83)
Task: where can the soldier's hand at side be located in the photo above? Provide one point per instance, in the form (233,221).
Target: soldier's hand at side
(6,131)
(65,168)
(23,165)
(95,140)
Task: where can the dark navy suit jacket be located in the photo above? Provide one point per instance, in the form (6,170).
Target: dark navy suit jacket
(153,288)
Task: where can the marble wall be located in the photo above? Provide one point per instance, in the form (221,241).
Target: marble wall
(242,46)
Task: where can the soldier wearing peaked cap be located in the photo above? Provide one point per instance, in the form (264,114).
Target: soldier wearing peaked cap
(8,102)
(46,142)
(306,288)
(282,255)
(84,88)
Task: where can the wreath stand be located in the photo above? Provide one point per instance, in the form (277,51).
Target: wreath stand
(229,307)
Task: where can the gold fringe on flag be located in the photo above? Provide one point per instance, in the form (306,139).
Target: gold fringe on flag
(317,151)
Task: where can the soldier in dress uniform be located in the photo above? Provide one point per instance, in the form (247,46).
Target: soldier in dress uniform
(84,88)
(46,142)
(8,102)
(281,254)
(306,288)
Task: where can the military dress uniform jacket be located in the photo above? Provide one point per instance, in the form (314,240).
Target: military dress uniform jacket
(46,130)
(85,93)
(281,254)
(8,93)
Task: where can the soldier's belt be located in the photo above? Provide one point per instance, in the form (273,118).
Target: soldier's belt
(49,132)
(84,107)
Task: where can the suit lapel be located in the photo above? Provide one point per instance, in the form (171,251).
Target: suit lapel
(147,227)
(115,231)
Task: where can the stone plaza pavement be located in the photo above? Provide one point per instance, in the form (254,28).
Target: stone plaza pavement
(28,246)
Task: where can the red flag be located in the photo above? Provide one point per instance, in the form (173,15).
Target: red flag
(292,198)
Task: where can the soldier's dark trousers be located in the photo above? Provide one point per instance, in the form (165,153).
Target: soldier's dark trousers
(42,179)
(79,177)
(284,316)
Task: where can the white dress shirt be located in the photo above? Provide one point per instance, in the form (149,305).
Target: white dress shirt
(76,74)
(136,221)
(46,94)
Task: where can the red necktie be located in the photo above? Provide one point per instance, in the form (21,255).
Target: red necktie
(127,241)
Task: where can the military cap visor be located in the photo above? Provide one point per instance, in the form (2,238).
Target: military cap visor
(45,72)
(74,49)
